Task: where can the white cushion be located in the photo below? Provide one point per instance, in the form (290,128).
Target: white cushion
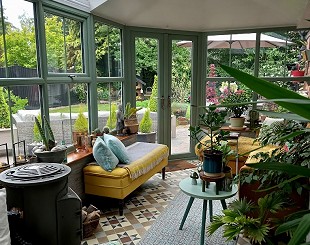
(268,121)
(4,223)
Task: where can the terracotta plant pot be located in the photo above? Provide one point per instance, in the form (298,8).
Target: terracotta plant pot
(132,125)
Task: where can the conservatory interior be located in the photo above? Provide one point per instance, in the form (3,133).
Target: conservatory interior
(75,73)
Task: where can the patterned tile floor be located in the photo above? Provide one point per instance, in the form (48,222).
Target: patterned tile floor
(140,211)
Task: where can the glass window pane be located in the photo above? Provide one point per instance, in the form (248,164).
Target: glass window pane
(109,97)
(20,42)
(281,56)
(66,101)
(108,50)
(235,50)
(63,44)
(23,103)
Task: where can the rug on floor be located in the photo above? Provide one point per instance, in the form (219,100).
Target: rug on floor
(165,230)
(176,165)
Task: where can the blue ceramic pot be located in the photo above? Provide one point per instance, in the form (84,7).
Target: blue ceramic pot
(212,162)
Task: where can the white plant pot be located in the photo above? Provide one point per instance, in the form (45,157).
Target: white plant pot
(237,123)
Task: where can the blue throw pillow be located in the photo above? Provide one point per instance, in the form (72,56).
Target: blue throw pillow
(104,156)
(117,147)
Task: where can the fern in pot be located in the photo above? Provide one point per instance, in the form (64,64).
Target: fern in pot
(145,133)
(49,151)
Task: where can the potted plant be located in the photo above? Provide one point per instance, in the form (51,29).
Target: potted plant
(130,118)
(248,219)
(210,123)
(236,96)
(49,151)
(298,226)
(80,131)
(145,128)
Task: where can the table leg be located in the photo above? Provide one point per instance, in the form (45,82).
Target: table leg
(203,222)
(237,157)
(211,210)
(224,204)
(189,205)
(203,186)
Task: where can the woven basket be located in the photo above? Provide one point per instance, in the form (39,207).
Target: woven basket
(89,227)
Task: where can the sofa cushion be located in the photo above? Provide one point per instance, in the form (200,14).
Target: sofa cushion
(145,156)
(117,147)
(4,224)
(104,156)
(268,121)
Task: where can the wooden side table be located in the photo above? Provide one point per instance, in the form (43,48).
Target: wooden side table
(207,179)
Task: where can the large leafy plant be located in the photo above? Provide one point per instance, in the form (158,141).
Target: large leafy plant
(299,226)
(239,218)
(209,125)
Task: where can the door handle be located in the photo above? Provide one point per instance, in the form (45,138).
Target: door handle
(162,100)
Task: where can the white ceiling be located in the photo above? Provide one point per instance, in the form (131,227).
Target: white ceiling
(204,15)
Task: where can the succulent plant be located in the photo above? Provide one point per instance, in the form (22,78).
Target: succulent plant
(48,138)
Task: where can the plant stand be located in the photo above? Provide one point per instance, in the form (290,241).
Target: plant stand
(207,179)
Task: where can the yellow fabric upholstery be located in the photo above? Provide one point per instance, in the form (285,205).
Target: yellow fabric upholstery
(245,147)
(118,183)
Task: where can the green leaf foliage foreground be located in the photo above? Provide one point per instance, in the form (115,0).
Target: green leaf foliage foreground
(272,91)
(298,227)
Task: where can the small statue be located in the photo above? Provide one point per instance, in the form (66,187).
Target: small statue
(194,177)
(120,120)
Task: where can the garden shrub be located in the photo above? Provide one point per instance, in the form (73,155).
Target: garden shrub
(146,122)
(111,122)
(188,112)
(4,111)
(81,123)
(16,102)
(153,98)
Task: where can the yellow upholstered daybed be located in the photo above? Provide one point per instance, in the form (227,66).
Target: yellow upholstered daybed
(147,159)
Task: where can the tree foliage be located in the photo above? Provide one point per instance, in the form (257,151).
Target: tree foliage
(4,111)
(154,95)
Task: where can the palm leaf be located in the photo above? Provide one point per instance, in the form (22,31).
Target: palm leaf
(271,91)
(301,231)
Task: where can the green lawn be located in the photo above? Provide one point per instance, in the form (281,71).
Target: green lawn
(78,108)
(83,107)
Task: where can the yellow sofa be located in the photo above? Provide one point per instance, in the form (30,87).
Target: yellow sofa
(147,160)
(245,146)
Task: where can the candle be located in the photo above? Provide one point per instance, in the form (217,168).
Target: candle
(21,160)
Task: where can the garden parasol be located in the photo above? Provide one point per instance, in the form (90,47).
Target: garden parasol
(240,41)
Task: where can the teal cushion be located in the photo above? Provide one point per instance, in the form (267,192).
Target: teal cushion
(117,147)
(104,156)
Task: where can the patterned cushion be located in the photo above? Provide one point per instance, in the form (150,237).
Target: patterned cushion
(104,156)
(117,147)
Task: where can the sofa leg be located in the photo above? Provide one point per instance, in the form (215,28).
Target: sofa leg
(121,207)
(163,173)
